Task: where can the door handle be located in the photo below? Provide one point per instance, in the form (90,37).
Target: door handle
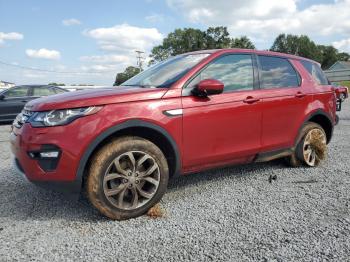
(251,100)
(299,95)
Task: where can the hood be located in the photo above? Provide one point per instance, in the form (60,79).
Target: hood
(95,97)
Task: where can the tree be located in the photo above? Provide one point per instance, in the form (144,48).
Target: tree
(343,56)
(329,55)
(326,55)
(178,42)
(297,45)
(56,84)
(217,37)
(188,39)
(128,73)
(242,42)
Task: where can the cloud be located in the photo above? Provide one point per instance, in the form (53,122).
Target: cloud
(343,45)
(43,53)
(71,21)
(155,18)
(101,68)
(106,59)
(125,38)
(10,36)
(265,19)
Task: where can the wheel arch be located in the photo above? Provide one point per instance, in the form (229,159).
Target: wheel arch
(156,134)
(323,119)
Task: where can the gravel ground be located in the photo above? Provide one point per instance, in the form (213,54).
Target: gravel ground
(227,214)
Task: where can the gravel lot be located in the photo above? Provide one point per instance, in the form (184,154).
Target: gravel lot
(227,214)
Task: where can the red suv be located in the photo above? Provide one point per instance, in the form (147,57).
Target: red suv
(192,112)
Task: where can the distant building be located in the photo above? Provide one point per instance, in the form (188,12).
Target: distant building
(338,72)
(340,65)
(4,84)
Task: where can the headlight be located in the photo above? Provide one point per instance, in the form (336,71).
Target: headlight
(61,117)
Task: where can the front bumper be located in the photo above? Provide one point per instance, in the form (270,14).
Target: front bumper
(27,143)
(18,169)
(73,187)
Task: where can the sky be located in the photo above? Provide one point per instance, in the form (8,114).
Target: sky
(88,42)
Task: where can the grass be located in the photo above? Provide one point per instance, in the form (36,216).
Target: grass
(345,83)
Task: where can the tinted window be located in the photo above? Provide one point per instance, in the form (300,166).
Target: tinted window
(42,91)
(235,71)
(277,72)
(316,72)
(17,92)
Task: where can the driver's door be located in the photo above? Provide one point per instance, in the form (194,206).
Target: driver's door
(223,128)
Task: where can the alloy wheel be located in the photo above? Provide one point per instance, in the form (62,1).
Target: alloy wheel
(309,150)
(131,180)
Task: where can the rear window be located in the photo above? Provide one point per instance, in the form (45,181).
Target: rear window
(316,72)
(277,72)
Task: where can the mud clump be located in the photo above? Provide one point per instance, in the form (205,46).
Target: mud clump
(319,146)
(156,211)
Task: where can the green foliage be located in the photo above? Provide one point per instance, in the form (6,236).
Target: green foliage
(297,45)
(217,37)
(329,55)
(128,73)
(343,56)
(188,39)
(345,83)
(56,84)
(305,47)
(178,42)
(242,42)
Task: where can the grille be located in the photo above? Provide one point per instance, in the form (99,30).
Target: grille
(22,118)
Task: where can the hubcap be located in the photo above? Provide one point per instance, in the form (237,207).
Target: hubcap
(131,180)
(309,151)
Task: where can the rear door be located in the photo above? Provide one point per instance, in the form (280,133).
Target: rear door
(13,102)
(284,102)
(222,128)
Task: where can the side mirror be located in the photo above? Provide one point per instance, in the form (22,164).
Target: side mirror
(2,97)
(208,87)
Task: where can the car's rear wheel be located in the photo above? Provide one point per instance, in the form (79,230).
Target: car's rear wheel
(127,177)
(311,147)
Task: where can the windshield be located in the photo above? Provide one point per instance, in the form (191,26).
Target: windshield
(167,72)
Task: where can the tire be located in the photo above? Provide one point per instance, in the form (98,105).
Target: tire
(127,177)
(311,146)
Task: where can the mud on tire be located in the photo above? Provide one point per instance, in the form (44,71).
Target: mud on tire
(127,177)
(311,147)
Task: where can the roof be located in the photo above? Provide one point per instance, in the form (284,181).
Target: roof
(241,50)
(340,65)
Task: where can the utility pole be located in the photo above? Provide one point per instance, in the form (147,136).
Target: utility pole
(139,58)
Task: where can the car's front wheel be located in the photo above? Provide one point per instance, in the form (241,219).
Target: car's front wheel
(127,177)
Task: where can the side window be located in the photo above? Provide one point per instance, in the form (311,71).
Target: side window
(17,92)
(276,72)
(316,72)
(42,91)
(59,91)
(235,71)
